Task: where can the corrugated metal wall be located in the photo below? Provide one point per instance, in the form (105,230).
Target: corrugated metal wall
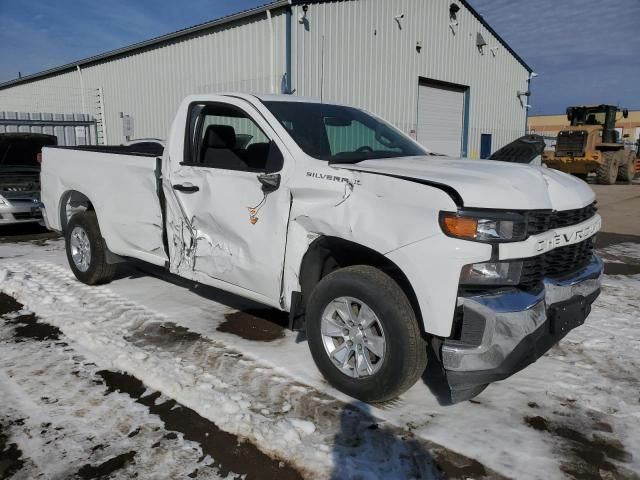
(353,52)
(70,129)
(149,85)
(371,61)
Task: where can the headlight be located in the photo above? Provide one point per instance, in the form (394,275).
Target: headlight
(3,201)
(484,226)
(491,273)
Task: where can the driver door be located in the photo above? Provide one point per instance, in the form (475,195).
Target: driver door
(228,208)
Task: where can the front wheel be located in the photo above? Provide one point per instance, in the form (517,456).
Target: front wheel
(608,170)
(86,251)
(363,334)
(627,170)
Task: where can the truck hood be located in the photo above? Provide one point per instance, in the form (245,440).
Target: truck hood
(487,183)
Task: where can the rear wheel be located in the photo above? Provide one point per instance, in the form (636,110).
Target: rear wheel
(86,251)
(628,168)
(363,334)
(608,170)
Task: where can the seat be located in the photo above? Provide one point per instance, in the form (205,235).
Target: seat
(257,155)
(218,152)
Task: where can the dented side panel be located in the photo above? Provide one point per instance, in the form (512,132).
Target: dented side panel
(229,230)
(387,215)
(122,189)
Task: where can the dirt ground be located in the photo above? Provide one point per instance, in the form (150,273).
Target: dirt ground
(619,206)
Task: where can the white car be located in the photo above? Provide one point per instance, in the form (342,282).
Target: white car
(376,248)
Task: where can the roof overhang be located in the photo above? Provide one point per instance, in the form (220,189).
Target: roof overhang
(147,43)
(212,24)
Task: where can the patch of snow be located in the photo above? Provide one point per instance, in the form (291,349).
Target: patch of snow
(227,389)
(54,407)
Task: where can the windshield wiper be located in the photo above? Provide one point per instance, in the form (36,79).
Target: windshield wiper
(375,156)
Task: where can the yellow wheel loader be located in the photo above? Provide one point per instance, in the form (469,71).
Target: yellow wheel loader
(592,144)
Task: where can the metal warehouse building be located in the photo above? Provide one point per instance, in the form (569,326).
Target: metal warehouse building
(434,68)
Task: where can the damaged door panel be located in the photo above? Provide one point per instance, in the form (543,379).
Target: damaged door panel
(230,221)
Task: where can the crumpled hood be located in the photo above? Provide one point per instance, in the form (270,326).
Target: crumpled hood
(489,184)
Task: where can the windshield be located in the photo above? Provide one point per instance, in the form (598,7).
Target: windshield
(341,134)
(589,116)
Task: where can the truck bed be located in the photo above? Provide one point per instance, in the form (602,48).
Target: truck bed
(120,183)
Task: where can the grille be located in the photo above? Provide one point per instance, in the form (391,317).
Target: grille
(27,215)
(558,263)
(540,222)
(571,143)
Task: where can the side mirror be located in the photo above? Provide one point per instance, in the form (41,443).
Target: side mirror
(625,113)
(270,182)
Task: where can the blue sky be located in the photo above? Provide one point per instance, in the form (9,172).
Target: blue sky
(585,51)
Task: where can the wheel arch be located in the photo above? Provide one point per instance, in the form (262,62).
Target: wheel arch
(327,254)
(72,202)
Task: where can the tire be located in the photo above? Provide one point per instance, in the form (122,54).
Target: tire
(405,352)
(608,170)
(91,267)
(627,170)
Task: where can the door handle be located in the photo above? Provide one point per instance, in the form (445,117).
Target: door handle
(186,188)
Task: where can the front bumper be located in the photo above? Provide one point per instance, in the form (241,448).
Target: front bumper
(20,211)
(504,332)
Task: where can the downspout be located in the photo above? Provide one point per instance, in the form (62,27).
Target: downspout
(465,127)
(526,110)
(84,107)
(271,52)
(289,50)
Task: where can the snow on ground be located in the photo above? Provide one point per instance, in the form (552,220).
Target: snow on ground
(56,408)
(574,413)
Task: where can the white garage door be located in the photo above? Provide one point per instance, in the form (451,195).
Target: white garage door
(440,119)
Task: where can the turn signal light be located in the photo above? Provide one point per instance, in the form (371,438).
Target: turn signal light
(462,227)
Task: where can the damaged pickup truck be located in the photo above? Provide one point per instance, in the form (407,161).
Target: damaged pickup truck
(377,248)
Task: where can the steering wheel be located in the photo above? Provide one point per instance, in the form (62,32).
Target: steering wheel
(364,148)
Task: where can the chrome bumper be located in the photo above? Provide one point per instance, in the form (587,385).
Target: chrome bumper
(511,329)
(20,211)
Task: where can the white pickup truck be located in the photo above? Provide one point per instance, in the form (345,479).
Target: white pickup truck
(377,248)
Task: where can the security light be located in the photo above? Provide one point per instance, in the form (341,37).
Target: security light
(303,16)
(453,17)
(480,42)
(453,11)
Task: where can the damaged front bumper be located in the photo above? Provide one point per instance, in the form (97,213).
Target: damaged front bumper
(504,332)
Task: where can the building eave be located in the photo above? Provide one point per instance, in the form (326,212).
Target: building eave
(212,24)
(162,39)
